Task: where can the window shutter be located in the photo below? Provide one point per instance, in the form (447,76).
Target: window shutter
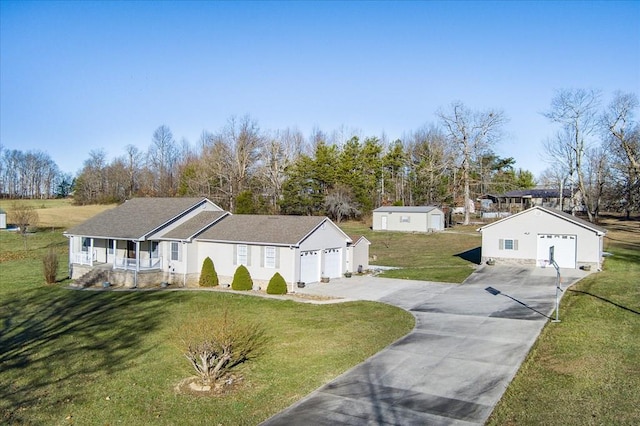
(515,244)
(501,244)
(235,254)
(277,257)
(248,255)
(262,256)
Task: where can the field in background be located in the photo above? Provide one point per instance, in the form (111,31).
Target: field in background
(59,213)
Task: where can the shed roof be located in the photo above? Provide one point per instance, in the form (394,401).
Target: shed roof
(562,215)
(406,209)
(136,218)
(261,229)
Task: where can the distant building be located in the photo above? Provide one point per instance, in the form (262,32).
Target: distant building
(408,219)
(522,199)
(3,219)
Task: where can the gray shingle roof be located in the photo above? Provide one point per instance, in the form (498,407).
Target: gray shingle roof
(566,216)
(135,218)
(405,209)
(194,225)
(285,230)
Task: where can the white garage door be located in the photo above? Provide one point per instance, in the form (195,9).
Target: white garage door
(564,249)
(310,266)
(332,263)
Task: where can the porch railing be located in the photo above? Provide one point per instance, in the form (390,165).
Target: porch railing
(145,264)
(84,258)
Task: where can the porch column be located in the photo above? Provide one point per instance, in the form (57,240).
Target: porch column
(137,256)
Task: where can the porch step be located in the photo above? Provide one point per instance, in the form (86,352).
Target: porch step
(94,277)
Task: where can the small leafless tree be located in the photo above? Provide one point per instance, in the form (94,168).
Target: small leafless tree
(23,215)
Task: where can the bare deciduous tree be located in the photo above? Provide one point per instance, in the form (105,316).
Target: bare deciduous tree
(473,132)
(576,111)
(622,138)
(23,216)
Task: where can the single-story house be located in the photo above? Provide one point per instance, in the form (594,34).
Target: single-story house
(149,240)
(408,219)
(526,238)
(522,199)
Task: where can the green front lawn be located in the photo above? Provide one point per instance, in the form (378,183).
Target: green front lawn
(86,357)
(449,256)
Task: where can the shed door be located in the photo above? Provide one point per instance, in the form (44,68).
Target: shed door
(332,263)
(383,224)
(310,266)
(564,249)
(436,222)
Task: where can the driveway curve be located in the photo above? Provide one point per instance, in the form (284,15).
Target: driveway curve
(453,367)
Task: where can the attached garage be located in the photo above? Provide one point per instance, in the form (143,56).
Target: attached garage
(332,263)
(310,266)
(526,238)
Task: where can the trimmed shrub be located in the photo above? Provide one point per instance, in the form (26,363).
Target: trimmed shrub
(242,279)
(50,266)
(277,285)
(208,274)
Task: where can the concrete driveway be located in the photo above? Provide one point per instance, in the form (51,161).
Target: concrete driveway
(454,366)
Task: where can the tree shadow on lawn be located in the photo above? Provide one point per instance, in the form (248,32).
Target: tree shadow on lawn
(474,255)
(53,343)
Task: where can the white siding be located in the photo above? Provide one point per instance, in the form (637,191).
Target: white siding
(526,227)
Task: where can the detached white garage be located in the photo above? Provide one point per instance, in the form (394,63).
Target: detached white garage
(527,237)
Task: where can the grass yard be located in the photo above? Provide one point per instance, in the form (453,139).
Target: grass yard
(585,370)
(448,256)
(85,357)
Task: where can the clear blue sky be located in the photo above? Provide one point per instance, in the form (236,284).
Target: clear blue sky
(80,76)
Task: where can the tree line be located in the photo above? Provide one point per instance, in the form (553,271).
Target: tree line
(450,162)
(31,174)
(247,170)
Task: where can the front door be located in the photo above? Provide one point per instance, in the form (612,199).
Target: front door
(131,250)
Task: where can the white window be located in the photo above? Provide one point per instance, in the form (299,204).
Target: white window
(175,251)
(508,244)
(405,219)
(242,255)
(269,257)
(86,243)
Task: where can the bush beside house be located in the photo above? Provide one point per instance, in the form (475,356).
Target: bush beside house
(242,279)
(277,285)
(208,275)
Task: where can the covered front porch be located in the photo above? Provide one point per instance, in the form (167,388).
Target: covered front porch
(132,255)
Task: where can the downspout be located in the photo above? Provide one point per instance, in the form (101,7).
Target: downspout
(185,264)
